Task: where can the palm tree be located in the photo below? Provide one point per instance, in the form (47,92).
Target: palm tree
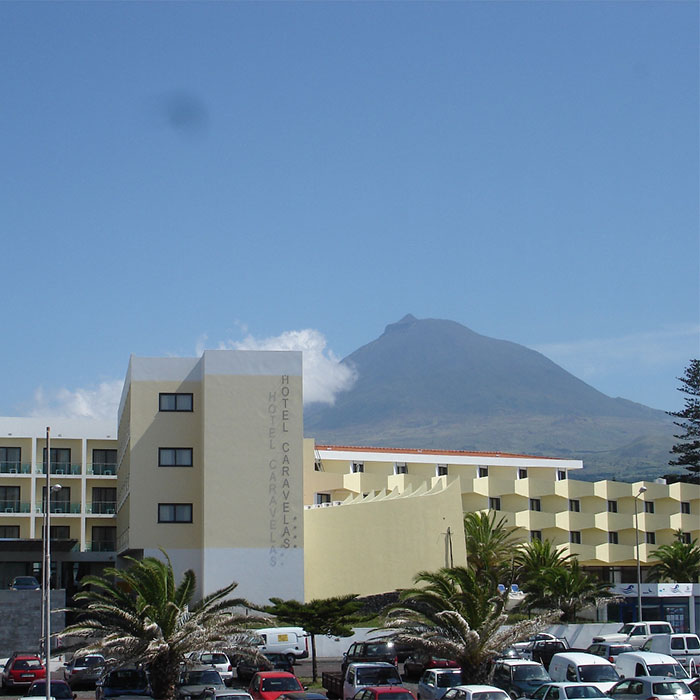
(678,561)
(534,557)
(490,545)
(458,615)
(140,615)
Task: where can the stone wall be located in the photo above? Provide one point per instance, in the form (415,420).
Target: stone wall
(20,628)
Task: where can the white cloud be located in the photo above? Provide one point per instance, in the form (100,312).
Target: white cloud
(100,402)
(592,358)
(324,375)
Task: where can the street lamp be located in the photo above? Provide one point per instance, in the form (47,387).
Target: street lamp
(642,489)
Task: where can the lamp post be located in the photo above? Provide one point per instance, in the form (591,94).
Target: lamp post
(642,489)
(46,578)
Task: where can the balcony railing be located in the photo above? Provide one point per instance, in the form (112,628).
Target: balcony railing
(60,468)
(101,508)
(15,468)
(60,507)
(15,507)
(100,546)
(102,469)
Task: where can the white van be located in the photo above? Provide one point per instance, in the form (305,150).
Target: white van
(579,667)
(647,663)
(684,648)
(293,642)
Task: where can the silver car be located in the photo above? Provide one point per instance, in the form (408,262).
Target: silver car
(435,682)
(647,687)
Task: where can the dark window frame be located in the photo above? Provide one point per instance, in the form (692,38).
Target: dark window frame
(613,537)
(482,472)
(5,529)
(535,535)
(177,395)
(612,506)
(650,537)
(685,507)
(522,473)
(574,505)
(648,506)
(575,537)
(441,470)
(536,505)
(494,503)
(175,451)
(175,520)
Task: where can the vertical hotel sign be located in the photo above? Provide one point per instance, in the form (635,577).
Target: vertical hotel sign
(282,519)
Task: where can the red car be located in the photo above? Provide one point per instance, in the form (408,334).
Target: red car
(269,685)
(22,670)
(385,692)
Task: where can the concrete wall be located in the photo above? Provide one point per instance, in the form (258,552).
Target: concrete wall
(21,619)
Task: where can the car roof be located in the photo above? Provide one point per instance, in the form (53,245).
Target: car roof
(275,674)
(445,670)
(519,662)
(387,688)
(581,657)
(476,688)
(371,664)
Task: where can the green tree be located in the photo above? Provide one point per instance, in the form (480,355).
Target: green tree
(688,450)
(459,615)
(678,562)
(490,546)
(141,615)
(531,560)
(567,587)
(330,616)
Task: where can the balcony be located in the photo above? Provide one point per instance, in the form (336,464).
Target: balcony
(534,520)
(15,468)
(614,522)
(100,546)
(101,469)
(572,520)
(15,507)
(61,468)
(59,508)
(101,508)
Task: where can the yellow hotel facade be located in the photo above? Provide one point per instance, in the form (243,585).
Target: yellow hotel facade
(209,463)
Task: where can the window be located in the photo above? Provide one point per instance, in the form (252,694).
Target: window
(60,532)
(522,473)
(482,472)
(494,503)
(174,456)
(104,500)
(60,500)
(357,467)
(613,538)
(401,468)
(536,535)
(441,470)
(9,499)
(685,507)
(9,532)
(574,505)
(612,506)
(320,498)
(648,506)
(104,539)
(650,537)
(318,467)
(685,537)
(10,459)
(535,504)
(174,512)
(561,475)
(60,460)
(104,462)
(175,402)
(575,537)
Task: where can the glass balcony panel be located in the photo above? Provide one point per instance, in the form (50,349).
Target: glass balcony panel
(15,468)
(101,546)
(102,469)
(101,507)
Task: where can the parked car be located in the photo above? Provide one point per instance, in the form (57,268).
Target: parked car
(647,663)
(542,650)
(269,685)
(685,648)
(518,677)
(385,692)
(24,583)
(651,688)
(435,682)
(122,681)
(358,676)
(293,642)
(217,659)
(609,650)
(22,670)
(246,668)
(60,690)
(636,633)
(579,667)
(370,652)
(566,691)
(199,683)
(475,692)
(414,665)
(84,670)
(534,638)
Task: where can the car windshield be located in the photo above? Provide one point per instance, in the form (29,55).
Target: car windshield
(620,649)
(27,664)
(58,690)
(128,679)
(378,676)
(625,629)
(599,672)
(214,659)
(670,688)
(88,661)
(583,691)
(395,696)
(449,680)
(672,670)
(530,673)
(202,678)
(26,581)
(489,695)
(281,684)
(378,649)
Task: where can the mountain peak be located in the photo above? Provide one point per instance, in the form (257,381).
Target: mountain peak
(407,320)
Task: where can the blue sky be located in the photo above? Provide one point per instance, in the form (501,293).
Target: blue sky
(178,176)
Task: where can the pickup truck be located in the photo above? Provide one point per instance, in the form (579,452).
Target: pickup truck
(358,676)
(636,633)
